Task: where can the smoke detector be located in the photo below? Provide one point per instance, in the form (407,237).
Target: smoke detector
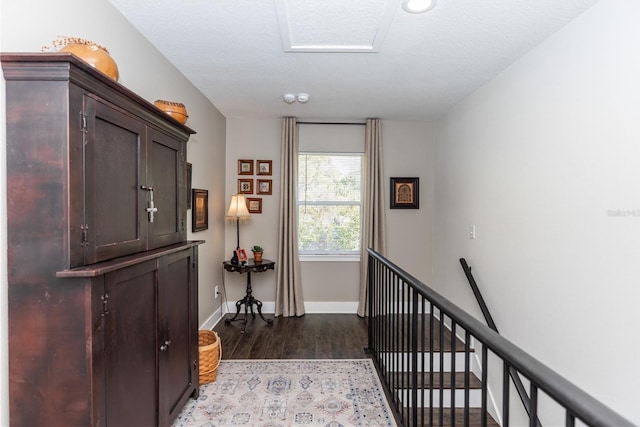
(290,98)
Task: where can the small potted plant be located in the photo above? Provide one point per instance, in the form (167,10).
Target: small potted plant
(257,253)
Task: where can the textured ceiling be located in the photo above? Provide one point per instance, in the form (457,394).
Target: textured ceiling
(233,51)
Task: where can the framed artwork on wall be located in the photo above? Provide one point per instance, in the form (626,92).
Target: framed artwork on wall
(404,193)
(245,167)
(264,186)
(265,167)
(200,210)
(254,205)
(245,186)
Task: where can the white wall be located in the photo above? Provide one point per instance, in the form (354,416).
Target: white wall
(408,150)
(27,26)
(544,160)
(254,140)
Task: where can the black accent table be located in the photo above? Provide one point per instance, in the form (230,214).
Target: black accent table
(249,301)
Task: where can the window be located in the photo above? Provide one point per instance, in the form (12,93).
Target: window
(329,203)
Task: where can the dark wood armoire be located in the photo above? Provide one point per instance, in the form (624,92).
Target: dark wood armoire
(103,304)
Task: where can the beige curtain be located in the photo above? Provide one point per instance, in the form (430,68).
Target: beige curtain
(289,299)
(373,219)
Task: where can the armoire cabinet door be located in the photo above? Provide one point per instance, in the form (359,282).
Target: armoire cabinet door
(165,172)
(177,332)
(130,346)
(114,202)
(133,187)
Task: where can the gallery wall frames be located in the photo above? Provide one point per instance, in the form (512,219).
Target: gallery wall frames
(265,167)
(254,205)
(264,186)
(245,186)
(245,167)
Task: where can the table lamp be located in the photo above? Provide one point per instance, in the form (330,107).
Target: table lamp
(237,212)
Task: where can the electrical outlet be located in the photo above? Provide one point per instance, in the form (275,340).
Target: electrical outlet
(472,231)
(216,292)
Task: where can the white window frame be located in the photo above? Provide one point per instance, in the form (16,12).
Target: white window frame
(336,256)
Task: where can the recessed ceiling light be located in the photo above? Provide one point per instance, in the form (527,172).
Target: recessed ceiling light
(418,6)
(289,98)
(303,98)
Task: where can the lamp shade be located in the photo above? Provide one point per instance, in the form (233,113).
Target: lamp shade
(238,208)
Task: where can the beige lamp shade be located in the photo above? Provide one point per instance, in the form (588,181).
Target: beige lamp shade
(238,208)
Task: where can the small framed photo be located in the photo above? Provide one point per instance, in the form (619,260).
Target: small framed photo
(242,255)
(245,167)
(245,186)
(200,210)
(254,205)
(264,186)
(265,167)
(189,173)
(404,193)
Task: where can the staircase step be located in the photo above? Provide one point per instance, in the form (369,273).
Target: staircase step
(424,398)
(424,379)
(399,342)
(475,415)
(392,361)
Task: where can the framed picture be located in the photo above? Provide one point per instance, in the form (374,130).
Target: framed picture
(242,255)
(264,186)
(404,193)
(245,167)
(189,174)
(245,186)
(264,167)
(200,210)
(254,205)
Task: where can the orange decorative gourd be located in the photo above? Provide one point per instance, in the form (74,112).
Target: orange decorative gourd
(96,56)
(176,110)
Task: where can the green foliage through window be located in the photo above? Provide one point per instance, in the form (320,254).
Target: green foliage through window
(329,203)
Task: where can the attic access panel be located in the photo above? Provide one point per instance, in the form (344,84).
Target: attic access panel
(334,25)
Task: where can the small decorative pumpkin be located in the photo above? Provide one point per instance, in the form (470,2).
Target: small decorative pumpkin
(176,110)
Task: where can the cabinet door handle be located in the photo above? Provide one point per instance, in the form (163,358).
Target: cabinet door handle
(152,207)
(165,346)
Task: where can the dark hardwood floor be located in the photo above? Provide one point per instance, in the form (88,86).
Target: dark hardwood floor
(322,336)
(312,336)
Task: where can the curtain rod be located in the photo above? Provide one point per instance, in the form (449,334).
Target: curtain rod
(331,123)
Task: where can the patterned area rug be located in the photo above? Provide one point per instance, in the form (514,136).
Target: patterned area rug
(290,393)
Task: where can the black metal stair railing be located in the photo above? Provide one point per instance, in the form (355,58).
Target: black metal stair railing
(522,392)
(423,344)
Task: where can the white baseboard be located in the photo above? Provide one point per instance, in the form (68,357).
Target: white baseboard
(212,320)
(310,307)
(319,307)
(331,307)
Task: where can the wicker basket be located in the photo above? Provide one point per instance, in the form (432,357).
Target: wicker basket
(210,353)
